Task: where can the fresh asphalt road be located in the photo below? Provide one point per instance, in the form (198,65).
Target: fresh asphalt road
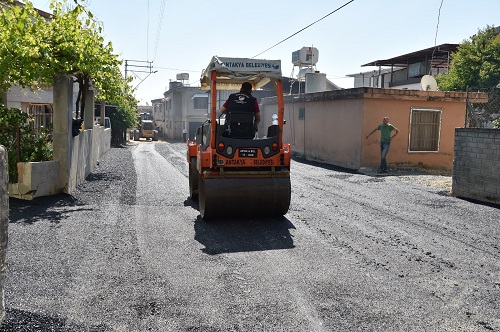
(129,252)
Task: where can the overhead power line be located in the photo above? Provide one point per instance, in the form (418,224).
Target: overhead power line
(304,28)
(158,28)
(436,36)
(147,34)
(177,69)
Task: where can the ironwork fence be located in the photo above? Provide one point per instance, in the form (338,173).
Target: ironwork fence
(482,108)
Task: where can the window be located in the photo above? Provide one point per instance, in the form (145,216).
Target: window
(425,128)
(42,115)
(200,102)
(302,113)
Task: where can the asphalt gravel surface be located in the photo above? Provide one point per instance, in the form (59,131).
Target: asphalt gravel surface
(128,251)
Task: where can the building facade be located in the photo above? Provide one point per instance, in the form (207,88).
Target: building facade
(185,109)
(331,126)
(404,72)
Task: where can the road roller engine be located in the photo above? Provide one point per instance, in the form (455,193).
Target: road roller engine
(232,171)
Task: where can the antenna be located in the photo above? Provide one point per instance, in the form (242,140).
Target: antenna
(428,83)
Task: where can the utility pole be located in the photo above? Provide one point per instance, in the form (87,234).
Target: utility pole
(142,67)
(139,64)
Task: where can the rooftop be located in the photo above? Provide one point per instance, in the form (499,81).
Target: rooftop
(437,56)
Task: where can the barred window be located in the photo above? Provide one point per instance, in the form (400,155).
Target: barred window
(42,115)
(425,128)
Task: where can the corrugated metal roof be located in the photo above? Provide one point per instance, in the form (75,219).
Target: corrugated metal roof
(438,56)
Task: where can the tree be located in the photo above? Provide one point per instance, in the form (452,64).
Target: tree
(476,63)
(21,53)
(34,50)
(79,50)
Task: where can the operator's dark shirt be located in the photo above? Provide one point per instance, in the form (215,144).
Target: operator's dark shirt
(242,102)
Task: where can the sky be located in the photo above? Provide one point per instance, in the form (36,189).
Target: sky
(182,36)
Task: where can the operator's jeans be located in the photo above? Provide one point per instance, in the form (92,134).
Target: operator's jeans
(384,149)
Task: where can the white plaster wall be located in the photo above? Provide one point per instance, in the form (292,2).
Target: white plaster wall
(36,179)
(87,149)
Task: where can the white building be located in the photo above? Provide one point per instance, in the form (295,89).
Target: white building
(185,109)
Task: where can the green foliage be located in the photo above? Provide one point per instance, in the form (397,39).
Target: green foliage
(476,63)
(34,50)
(35,146)
(496,123)
(21,50)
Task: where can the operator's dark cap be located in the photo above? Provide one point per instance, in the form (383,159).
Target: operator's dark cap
(247,86)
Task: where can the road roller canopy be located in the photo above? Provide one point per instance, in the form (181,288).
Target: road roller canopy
(232,72)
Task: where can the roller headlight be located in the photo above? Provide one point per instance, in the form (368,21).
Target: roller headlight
(229,150)
(267,150)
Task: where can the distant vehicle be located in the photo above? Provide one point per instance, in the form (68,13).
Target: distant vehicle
(107,121)
(147,128)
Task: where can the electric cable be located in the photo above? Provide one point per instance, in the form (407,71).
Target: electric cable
(147,34)
(167,68)
(435,37)
(158,29)
(303,29)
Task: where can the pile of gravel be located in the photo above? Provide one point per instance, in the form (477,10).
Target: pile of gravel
(437,180)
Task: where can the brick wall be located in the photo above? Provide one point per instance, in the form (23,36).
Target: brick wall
(476,166)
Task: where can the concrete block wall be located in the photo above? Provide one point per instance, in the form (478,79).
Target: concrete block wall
(36,179)
(87,149)
(4,223)
(476,164)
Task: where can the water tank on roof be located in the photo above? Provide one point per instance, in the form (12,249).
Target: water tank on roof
(182,77)
(315,82)
(306,56)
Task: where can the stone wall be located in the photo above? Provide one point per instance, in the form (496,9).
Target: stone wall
(476,165)
(4,223)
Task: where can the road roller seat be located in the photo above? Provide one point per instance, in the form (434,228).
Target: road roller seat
(239,125)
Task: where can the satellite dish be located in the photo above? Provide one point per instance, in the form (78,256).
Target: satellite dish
(428,83)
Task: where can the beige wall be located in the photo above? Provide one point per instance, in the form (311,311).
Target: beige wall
(330,131)
(399,113)
(336,123)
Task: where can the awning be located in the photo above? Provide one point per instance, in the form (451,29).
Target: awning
(200,95)
(232,72)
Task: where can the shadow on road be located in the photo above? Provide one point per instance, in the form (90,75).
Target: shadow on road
(19,320)
(243,235)
(49,208)
(324,166)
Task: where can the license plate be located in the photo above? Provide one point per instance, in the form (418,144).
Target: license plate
(247,153)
